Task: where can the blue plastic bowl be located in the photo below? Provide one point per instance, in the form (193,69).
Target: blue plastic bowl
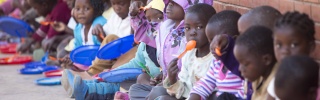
(84,54)
(15,27)
(116,48)
(38,69)
(120,75)
(49,81)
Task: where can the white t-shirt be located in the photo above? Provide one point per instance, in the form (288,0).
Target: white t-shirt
(118,26)
(271,90)
(90,41)
(72,23)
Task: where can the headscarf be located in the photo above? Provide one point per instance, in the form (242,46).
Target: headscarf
(185,4)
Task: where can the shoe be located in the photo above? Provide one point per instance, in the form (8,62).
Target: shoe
(80,88)
(67,82)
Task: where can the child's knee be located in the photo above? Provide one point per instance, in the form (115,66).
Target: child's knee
(156,92)
(143,79)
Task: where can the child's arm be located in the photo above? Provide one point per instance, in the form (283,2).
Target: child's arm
(205,86)
(179,88)
(61,27)
(226,42)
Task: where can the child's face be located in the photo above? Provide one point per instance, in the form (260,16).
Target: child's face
(287,42)
(195,29)
(154,15)
(69,3)
(174,11)
(42,9)
(252,67)
(210,32)
(83,12)
(121,7)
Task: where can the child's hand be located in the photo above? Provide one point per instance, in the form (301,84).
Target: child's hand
(66,61)
(135,7)
(59,26)
(219,41)
(98,31)
(173,71)
(156,80)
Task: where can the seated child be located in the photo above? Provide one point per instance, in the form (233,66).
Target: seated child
(88,14)
(118,26)
(297,78)
(293,35)
(254,52)
(263,15)
(219,78)
(195,63)
(53,10)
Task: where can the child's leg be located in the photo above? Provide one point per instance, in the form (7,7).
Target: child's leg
(126,57)
(94,90)
(143,78)
(156,92)
(99,65)
(139,91)
(167,97)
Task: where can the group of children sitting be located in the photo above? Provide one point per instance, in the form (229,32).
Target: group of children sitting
(260,55)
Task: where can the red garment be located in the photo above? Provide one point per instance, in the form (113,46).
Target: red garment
(60,13)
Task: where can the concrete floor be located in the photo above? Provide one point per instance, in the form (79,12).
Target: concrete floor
(14,86)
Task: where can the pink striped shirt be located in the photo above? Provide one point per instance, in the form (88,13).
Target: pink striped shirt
(213,81)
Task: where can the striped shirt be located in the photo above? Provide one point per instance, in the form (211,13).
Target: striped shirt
(216,80)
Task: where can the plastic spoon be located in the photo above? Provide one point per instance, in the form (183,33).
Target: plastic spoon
(190,45)
(10,59)
(45,23)
(218,51)
(101,35)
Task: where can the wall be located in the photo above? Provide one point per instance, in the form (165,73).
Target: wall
(310,7)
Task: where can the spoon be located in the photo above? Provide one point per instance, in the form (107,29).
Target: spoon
(190,45)
(45,23)
(218,51)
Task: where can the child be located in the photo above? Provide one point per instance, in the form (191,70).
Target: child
(118,26)
(88,14)
(297,78)
(263,15)
(219,77)
(195,62)
(53,10)
(254,51)
(293,35)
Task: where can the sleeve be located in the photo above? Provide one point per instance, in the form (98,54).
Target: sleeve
(138,20)
(134,63)
(206,85)
(229,59)
(180,88)
(62,14)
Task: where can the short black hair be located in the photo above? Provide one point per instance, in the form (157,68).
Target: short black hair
(299,73)
(258,40)
(300,22)
(98,7)
(226,21)
(51,2)
(203,10)
(262,15)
